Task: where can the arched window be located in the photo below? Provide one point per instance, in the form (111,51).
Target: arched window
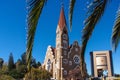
(70,63)
(48,65)
(76,49)
(65,61)
(65,53)
(65,44)
(65,72)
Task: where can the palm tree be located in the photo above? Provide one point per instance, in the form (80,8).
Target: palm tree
(95,11)
(34,10)
(116,31)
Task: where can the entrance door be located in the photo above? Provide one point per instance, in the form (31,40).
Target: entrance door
(100,72)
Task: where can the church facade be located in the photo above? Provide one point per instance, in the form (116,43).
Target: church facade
(63,61)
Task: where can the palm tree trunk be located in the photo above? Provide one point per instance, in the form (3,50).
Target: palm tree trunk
(83,67)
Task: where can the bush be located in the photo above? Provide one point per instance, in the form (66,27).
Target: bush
(38,74)
(6,77)
(15,74)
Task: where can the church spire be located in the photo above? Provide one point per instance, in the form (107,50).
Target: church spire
(62,21)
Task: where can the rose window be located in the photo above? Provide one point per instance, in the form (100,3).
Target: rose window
(76,59)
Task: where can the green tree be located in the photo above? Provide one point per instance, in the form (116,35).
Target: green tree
(18,63)
(34,63)
(1,63)
(21,64)
(16,74)
(38,64)
(23,57)
(5,68)
(11,62)
(20,70)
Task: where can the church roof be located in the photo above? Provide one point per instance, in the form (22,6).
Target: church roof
(53,50)
(62,21)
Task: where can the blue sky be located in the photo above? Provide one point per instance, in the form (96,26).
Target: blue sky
(13,32)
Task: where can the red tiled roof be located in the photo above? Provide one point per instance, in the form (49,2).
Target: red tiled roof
(62,21)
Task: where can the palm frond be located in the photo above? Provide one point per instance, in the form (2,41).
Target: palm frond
(95,11)
(34,10)
(116,32)
(72,4)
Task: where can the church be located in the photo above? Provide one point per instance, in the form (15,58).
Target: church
(63,61)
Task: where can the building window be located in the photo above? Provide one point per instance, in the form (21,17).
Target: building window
(76,49)
(65,44)
(65,53)
(76,59)
(70,62)
(65,72)
(48,65)
(65,61)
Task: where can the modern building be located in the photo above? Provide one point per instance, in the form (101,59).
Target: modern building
(63,59)
(101,61)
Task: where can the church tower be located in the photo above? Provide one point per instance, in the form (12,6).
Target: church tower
(62,44)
